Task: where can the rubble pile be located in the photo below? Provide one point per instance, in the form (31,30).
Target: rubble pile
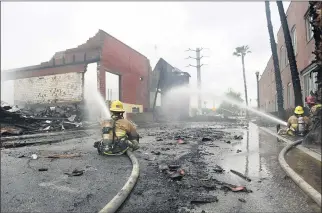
(16,121)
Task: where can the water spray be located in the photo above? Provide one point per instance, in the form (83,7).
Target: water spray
(260,113)
(180,91)
(95,103)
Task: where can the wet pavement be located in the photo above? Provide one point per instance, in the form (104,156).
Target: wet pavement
(307,167)
(316,147)
(195,147)
(26,189)
(258,161)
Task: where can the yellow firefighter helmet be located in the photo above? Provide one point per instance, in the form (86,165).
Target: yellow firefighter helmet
(299,110)
(117,106)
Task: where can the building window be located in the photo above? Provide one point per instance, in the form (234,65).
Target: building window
(288,95)
(282,55)
(285,97)
(309,28)
(309,83)
(314,79)
(306,82)
(294,39)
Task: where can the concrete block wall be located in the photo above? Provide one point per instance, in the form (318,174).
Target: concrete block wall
(58,88)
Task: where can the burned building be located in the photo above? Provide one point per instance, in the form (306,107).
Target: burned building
(164,80)
(61,79)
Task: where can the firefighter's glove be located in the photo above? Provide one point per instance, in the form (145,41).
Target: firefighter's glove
(292,129)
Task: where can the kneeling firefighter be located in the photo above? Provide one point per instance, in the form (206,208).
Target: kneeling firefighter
(298,124)
(118,134)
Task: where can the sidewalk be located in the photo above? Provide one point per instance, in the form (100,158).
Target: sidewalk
(313,147)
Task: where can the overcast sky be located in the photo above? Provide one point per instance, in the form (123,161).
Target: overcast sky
(32,32)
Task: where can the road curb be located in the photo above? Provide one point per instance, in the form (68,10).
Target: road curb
(307,188)
(312,193)
(307,151)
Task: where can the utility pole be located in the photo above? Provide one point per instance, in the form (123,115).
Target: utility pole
(198,77)
(198,57)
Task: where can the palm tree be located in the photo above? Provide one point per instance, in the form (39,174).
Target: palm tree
(291,57)
(278,80)
(241,52)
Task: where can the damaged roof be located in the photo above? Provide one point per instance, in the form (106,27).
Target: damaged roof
(168,67)
(168,75)
(93,43)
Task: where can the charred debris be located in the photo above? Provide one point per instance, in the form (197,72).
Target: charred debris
(30,120)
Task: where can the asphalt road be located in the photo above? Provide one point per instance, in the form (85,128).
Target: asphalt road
(25,189)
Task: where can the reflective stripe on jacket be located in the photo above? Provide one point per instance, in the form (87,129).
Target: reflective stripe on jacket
(293,122)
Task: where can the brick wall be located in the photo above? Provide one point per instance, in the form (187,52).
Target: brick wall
(296,18)
(113,56)
(49,89)
(133,68)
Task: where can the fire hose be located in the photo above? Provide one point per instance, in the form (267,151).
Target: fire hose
(120,197)
(309,190)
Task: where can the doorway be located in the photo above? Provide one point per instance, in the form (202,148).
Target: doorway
(112,86)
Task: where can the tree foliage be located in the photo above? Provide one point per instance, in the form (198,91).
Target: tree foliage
(315,13)
(315,135)
(241,51)
(227,108)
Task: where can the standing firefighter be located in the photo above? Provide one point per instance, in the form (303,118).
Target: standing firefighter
(313,105)
(118,133)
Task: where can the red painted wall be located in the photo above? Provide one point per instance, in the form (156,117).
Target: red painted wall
(118,58)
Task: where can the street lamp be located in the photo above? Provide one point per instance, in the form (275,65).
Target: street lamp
(257,79)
